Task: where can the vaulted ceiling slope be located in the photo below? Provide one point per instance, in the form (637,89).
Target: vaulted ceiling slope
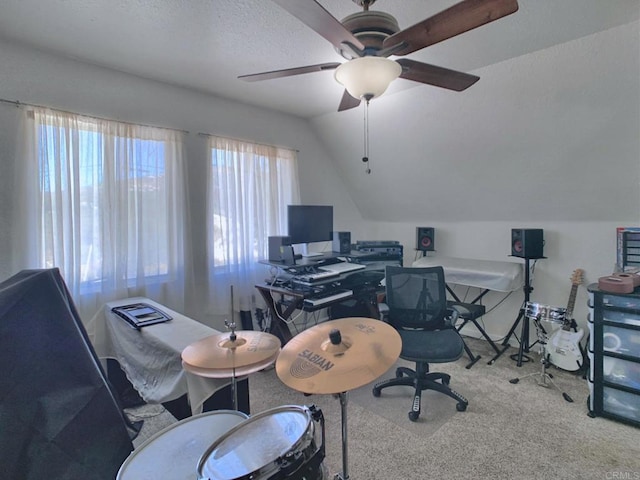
(206,44)
(549,136)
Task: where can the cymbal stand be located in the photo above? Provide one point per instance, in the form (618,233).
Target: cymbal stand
(234,382)
(545,379)
(335,338)
(232,326)
(345,459)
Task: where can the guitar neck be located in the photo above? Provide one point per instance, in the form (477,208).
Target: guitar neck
(570,304)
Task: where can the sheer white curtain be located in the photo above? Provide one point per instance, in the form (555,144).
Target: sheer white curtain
(105,203)
(249,188)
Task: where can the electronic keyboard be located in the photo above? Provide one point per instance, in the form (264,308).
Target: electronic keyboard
(342,267)
(327,297)
(311,278)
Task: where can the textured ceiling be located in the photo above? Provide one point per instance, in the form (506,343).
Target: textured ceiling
(206,44)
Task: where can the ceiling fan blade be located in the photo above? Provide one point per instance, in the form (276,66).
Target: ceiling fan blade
(348,102)
(319,19)
(288,72)
(459,18)
(437,76)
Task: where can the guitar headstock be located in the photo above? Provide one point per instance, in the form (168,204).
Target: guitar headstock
(577,276)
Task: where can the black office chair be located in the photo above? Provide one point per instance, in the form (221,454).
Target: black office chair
(416,298)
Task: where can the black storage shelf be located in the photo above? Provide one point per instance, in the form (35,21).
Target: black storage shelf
(614,354)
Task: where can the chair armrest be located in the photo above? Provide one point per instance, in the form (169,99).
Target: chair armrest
(383,309)
(452,317)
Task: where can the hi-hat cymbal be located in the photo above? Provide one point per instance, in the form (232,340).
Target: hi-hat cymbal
(222,351)
(319,360)
(230,372)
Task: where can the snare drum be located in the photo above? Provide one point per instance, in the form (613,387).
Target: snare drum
(174,452)
(276,443)
(545,313)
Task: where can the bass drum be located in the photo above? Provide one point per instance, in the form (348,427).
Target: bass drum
(173,453)
(278,443)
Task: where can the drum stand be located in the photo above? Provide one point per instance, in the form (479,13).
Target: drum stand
(345,459)
(234,381)
(544,379)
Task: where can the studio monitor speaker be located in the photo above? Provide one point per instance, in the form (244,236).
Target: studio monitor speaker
(276,248)
(425,239)
(527,242)
(341,242)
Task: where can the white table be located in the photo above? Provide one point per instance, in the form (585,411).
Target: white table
(493,275)
(151,357)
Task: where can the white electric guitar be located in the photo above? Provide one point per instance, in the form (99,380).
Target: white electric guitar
(563,348)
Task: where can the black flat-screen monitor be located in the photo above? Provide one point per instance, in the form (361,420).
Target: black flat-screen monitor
(310,223)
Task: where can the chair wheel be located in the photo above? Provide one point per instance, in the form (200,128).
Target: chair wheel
(461,407)
(376,392)
(398,373)
(413,416)
(514,380)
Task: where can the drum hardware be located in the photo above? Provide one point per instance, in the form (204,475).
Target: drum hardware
(237,354)
(545,313)
(291,450)
(336,356)
(233,338)
(345,450)
(231,355)
(545,379)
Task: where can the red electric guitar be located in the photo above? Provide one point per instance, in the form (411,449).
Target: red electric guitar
(563,348)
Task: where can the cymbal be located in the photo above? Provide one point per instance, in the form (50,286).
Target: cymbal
(229,372)
(319,360)
(221,351)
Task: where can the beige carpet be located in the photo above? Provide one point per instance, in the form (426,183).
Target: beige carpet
(509,431)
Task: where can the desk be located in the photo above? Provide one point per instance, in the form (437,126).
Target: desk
(283,301)
(151,357)
(487,275)
(318,260)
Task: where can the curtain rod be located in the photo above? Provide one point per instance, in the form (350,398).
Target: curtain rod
(201,134)
(19,104)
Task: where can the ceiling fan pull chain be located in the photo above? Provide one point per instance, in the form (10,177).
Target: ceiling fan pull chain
(365,159)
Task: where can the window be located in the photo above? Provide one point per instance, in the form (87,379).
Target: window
(250,188)
(109,201)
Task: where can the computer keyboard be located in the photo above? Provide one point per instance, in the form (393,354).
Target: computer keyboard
(327,297)
(311,278)
(342,267)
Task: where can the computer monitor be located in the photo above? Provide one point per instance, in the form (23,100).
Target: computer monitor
(309,224)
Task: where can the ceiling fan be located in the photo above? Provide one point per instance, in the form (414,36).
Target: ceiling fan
(375,35)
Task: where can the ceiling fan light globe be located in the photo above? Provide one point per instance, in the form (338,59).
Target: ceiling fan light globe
(367,77)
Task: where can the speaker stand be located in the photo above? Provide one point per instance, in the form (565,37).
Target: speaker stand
(524,347)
